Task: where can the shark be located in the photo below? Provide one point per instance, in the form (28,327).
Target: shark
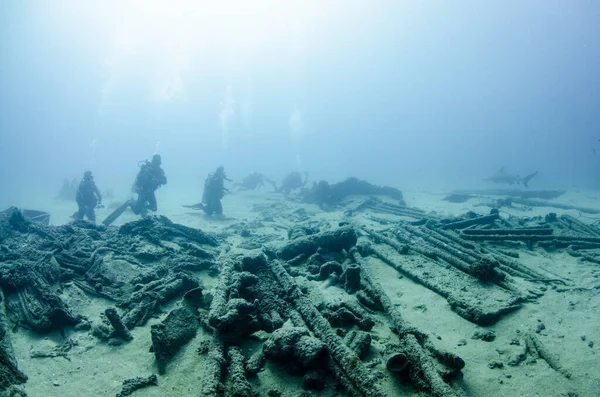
(504,177)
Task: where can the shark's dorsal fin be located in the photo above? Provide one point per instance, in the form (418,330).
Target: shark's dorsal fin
(501,170)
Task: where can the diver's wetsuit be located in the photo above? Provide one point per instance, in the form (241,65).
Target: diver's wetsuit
(87,197)
(150,178)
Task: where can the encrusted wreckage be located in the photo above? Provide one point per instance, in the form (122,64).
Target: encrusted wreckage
(266,306)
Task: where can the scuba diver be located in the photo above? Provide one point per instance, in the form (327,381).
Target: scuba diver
(253,181)
(88,197)
(214,191)
(150,178)
(292,182)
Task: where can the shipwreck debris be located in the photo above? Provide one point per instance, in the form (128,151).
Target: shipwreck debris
(131,385)
(10,375)
(328,196)
(268,307)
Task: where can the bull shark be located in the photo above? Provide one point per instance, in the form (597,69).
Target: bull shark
(504,177)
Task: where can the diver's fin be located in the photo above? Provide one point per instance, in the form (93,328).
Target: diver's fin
(197,206)
(528,178)
(117,213)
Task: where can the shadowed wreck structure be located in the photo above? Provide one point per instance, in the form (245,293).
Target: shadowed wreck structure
(310,312)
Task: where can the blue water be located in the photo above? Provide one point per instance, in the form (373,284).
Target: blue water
(423,94)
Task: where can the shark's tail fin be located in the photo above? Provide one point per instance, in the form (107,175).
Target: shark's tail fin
(528,178)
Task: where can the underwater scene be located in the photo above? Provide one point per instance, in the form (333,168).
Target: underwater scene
(299,198)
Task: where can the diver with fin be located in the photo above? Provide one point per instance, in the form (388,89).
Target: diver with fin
(254,181)
(214,191)
(88,197)
(150,177)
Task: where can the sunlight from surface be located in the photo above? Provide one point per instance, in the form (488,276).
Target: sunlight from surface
(171,37)
(152,57)
(155,52)
(164,51)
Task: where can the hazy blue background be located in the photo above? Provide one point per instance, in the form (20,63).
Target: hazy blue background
(415,94)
